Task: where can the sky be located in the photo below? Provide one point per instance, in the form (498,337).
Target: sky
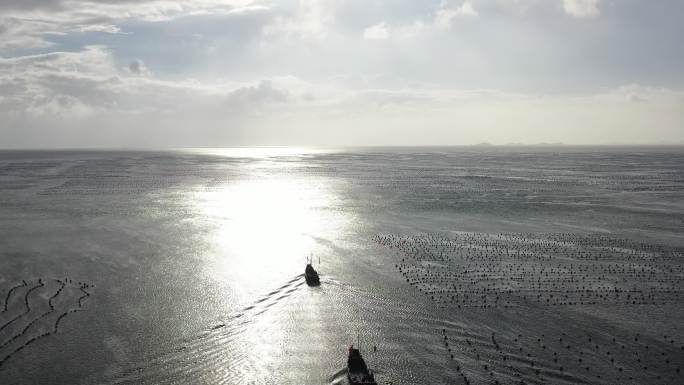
(223,73)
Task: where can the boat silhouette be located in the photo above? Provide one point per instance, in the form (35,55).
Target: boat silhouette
(357,371)
(311,275)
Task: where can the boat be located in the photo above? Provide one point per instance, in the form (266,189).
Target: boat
(357,371)
(311,275)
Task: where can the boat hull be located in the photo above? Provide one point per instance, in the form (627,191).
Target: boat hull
(311,276)
(312,280)
(358,379)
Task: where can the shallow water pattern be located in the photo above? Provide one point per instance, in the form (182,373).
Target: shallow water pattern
(460,265)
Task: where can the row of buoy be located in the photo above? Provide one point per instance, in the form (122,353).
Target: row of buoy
(562,283)
(583,247)
(500,358)
(8,344)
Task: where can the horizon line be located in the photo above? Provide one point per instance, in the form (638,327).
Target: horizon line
(476,145)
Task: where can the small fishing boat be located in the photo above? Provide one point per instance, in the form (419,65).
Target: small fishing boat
(311,275)
(357,371)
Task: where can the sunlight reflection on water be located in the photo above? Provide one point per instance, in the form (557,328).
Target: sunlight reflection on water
(262,228)
(258,152)
(264,225)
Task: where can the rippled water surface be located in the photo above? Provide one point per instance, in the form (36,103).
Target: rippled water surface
(459,265)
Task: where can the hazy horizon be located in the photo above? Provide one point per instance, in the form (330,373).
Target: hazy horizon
(483,145)
(226,73)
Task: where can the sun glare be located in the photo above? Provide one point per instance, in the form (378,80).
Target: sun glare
(258,152)
(265,226)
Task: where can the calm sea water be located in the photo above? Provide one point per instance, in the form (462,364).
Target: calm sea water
(178,267)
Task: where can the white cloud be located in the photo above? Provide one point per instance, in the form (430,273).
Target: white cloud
(247,96)
(531,51)
(446,16)
(71,84)
(379,31)
(638,93)
(94,59)
(26,25)
(104,28)
(312,19)
(20,34)
(581,8)
(79,98)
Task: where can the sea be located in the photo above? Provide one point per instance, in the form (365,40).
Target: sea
(444,265)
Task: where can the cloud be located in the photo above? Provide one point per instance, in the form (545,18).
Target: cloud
(248,96)
(446,16)
(227,72)
(94,59)
(104,28)
(29,24)
(310,19)
(23,34)
(72,85)
(581,8)
(379,31)
(638,93)
(83,99)
(137,67)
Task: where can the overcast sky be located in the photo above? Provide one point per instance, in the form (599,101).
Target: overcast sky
(157,73)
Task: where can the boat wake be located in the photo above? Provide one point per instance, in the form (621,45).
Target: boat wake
(211,356)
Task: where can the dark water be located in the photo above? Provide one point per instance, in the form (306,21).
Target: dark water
(461,265)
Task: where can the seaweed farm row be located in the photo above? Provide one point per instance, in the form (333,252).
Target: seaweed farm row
(569,356)
(506,270)
(33,310)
